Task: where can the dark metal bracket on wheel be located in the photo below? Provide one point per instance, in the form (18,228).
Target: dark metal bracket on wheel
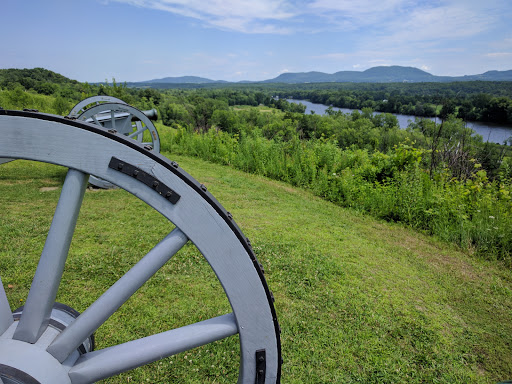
(49,343)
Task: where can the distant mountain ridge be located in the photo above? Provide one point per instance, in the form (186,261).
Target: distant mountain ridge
(381,74)
(391,74)
(185,80)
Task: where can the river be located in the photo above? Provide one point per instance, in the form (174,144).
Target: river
(495,133)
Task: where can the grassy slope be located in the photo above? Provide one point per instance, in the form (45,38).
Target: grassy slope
(358,300)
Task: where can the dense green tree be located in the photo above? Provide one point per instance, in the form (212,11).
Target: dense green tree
(173,113)
(151,94)
(19,97)
(61,106)
(203,111)
(447,109)
(497,109)
(225,120)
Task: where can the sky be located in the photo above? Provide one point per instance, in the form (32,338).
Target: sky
(234,40)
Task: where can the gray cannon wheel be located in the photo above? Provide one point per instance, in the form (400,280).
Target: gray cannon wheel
(79,108)
(125,119)
(32,351)
(133,122)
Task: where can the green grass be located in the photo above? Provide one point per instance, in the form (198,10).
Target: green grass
(359,300)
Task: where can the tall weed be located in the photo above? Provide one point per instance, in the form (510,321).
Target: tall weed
(475,214)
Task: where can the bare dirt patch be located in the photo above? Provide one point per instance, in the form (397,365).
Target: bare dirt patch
(14,182)
(46,189)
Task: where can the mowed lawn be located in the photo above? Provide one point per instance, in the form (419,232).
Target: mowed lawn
(358,300)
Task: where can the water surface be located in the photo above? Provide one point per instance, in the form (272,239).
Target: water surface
(492,132)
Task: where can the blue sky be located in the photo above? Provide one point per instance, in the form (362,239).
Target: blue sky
(136,40)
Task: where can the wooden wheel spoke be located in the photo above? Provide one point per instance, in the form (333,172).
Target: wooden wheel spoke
(138,132)
(116,295)
(110,361)
(96,120)
(113,118)
(43,290)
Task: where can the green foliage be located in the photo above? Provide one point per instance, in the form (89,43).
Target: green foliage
(61,106)
(119,91)
(39,81)
(475,213)
(172,113)
(35,78)
(18,98)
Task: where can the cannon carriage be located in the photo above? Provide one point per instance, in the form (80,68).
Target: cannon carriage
(115,115)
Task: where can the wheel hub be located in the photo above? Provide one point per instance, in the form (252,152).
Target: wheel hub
(26,363)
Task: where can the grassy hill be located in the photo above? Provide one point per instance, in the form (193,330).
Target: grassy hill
(359,300)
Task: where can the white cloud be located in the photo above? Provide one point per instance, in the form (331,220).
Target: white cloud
(362,11)
(412,32)
(397,21)
(410,20)
(248,16)
(445,22)
(498,54)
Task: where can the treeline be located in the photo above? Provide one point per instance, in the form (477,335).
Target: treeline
(470,101)
(469,107)
(23,88)
(442,90)
(489,101)
(202,109)
(40,80)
